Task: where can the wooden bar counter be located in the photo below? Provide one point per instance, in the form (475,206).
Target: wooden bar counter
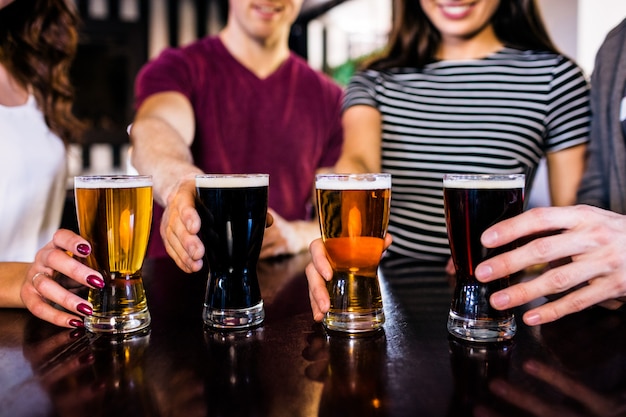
(289,367)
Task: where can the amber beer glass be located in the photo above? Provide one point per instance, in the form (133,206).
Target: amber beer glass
(114,215)
(354,213)
(233,210)
(472,203)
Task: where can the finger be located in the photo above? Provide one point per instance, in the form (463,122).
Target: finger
(174,233)
(538,251)
(320,260)
(50,290)
(573,302)
(40,308)
(58,260)
(533,221)
(70,241)
(318,294)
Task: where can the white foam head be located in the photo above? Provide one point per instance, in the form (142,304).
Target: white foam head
(352,181)
(474,181)
(232,181)
(113,181)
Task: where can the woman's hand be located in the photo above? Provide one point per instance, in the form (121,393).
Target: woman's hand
(40,289)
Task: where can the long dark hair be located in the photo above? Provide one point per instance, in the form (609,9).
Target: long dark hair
(414,40)
(38,40)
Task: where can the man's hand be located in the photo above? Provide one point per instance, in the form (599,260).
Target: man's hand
(180,226)
(593,238)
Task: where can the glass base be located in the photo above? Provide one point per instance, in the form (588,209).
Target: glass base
(355,323)
(481,330)
(127,323)
(234,318)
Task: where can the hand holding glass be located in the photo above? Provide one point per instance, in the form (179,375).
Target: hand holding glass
(354,213)
(472,203)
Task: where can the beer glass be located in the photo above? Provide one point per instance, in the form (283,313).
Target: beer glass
(115,214)
(233,210)
(353,214)
(472,203)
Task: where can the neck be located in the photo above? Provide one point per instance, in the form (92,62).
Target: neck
(11,92)
(261,56)
(476,47)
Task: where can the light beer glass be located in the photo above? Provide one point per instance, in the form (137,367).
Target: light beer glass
(354,214)
(233,210)
(472,203)
(115,214)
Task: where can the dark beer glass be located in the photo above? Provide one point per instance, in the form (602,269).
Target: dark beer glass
(115,214)
(233,210)
(354,214)
(472,203)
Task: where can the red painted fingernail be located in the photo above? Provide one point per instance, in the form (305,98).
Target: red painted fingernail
(76,323)
(83,249)
(95,281)
(85,309)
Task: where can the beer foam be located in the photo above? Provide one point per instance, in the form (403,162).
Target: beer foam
(353,183)
(232,181)
(475,182)
(113,181)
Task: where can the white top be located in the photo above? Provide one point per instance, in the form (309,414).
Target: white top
(32,182)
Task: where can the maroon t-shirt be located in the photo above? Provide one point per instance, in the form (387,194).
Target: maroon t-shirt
(287,125)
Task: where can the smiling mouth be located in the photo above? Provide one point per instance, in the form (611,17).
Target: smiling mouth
(455,10)
(266,8)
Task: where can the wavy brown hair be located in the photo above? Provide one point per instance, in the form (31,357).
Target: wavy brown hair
(38,41)
(414,40)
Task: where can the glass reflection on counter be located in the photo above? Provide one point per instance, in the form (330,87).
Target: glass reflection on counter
(233,386)
(474,366)
(353,371)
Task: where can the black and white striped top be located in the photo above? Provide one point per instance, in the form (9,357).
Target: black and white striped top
(499,114)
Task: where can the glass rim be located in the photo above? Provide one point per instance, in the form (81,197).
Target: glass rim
(231,180)
(484,181)
(353,175)
(135,180)
(232,175)
(364,181)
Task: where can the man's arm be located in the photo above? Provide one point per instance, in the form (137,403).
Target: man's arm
(161,135)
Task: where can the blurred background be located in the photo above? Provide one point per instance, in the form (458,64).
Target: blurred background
(119,36)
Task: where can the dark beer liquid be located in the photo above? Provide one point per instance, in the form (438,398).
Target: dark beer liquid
(233,224)
(469,211)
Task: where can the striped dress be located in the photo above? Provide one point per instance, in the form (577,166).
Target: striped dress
(499,114)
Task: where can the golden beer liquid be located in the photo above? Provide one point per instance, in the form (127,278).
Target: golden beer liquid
(116,221)
(353,225)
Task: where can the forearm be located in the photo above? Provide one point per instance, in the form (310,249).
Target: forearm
(12,275)
(158,150)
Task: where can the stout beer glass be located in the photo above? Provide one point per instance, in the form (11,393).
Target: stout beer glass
(473,203)
(354,213)
(114,215)
(233,210)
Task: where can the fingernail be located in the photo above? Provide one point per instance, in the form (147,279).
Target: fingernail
(532,319)
(489,238)
(83,249)
(85,309)
(483,272)
(95,281)
(500,300)
(76,323)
